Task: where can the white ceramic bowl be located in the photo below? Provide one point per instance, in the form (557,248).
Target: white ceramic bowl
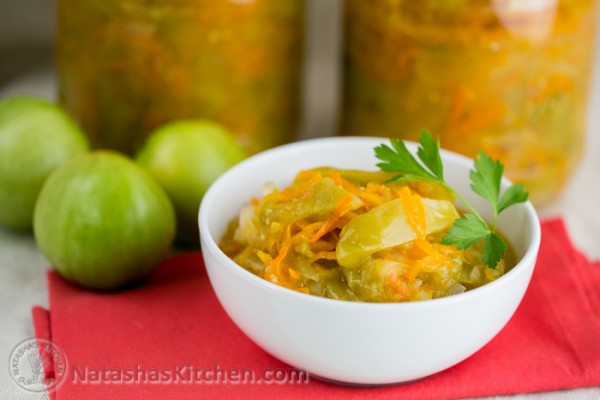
(351,342)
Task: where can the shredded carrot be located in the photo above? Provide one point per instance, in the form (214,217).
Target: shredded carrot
(304,189)
(415,211)
(285,248)
(412,273)
(329,224)
(369,198)
(421,248)
(377,188)
(409,271)
(337,178)
(302,223)
(364,195)
(398,255)
(426,257)
(448,251)
(322,245)
(397,284)
(310,230)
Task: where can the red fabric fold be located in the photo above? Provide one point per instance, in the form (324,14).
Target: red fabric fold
(175,321)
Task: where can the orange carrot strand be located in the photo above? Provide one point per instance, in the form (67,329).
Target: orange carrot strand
(333,218)
(415,211)
(283,252)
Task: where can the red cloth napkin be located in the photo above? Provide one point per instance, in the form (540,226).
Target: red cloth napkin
(174,320)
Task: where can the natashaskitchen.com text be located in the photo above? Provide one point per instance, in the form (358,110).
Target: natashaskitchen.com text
(185,374)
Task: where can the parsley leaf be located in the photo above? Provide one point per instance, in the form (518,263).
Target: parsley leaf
(493,250)
(399,159)
(485,181)
(466,232)
(513,195)
(486,177)
(470,230)
(429,153)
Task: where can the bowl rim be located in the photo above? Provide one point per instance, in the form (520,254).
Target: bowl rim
(526,263)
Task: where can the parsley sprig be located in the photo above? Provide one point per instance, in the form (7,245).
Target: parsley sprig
(485,181)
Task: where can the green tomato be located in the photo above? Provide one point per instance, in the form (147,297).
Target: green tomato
(102,221)
(186,157)
(387,226)
(35,138)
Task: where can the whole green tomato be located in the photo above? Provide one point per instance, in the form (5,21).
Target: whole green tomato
(186,157)
(35,138)
(102,221)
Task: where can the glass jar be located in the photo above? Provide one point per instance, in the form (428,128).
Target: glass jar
(509,77)
(127,66)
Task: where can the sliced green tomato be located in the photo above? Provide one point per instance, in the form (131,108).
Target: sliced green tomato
(317,205)
(387,226)
(358,177)
(371,281)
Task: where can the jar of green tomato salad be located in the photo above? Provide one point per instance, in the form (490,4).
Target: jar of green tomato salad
(508,77)
(127,66)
